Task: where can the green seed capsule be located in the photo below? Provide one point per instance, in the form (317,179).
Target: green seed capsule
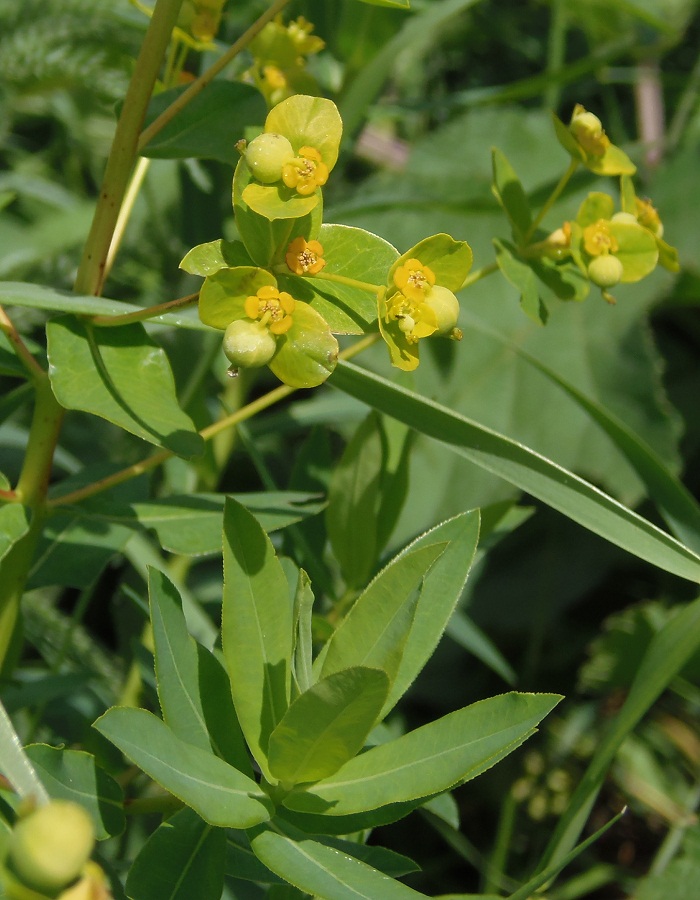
(49,848)
(266,156)
(445,306)
(605,271)
(248,344)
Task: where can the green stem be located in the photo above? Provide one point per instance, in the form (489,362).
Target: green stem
(124,147)
(204,80)
(478,274)
(30,364)
(553,197)
(141,314)
(31,491)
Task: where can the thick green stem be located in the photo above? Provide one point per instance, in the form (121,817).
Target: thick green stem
(124,148)
(31,491)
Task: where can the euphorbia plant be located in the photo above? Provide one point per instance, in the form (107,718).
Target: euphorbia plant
(272,746)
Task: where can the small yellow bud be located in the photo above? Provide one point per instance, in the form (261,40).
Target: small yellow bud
(248,345)
(588,131)
(49,847)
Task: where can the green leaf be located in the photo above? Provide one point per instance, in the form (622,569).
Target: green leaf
(509,192)
(637,250)
(35,296)
(123,376)
(207,259)
(308,122)
(256,629)
(182,859)
(327,725)
(16,767)
(306,354)
(449,259)
(429,760)
(209,126)
(303,632)
(524,468)
(192,698)
(597,205)
(349,253)
(191,524)
(442,587)
(220,794)
(74,775)
(354,496)
(394,4)
(522,277)
(14,524)
(223,294)
(324,871)
(375,631)
(668,652)
(472,639)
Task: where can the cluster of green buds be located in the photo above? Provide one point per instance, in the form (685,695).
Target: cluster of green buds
(48,856)
(280,54)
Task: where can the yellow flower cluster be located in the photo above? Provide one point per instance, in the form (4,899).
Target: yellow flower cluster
(272,308)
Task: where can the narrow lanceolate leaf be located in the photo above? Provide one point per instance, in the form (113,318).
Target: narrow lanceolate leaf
(220,794)
(554,485)
(327,725)
(668,652)
(121,375)
(187,680)
(442,587)
(74,775)
(184,858)
(430,759)
(256,629)
(375,631)
(324,871)
(16,766)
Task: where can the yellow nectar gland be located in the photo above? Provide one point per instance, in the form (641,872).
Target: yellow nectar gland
(414,280)
(588,131)
(415,318)
(304,258)
(597,239)
(272,307)
(648,217)
(306,172)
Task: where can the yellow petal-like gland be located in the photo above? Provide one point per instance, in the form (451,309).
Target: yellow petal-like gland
(414,279)
(304,258)
(597,239)
(415,319)
(306,172)
(648,217)
(272,307)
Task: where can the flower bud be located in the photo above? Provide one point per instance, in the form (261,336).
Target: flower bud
(248,344)
(605,270)
(445,306)
(49,848)
(266,156)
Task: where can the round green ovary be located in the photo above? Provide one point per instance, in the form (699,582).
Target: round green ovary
(605,271)
(267,155)
(445,306)
(248,345)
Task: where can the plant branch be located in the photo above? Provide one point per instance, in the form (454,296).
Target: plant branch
(478,274)
(91,272)
(30,364)
(551,200)
(204,80)
(142,314)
